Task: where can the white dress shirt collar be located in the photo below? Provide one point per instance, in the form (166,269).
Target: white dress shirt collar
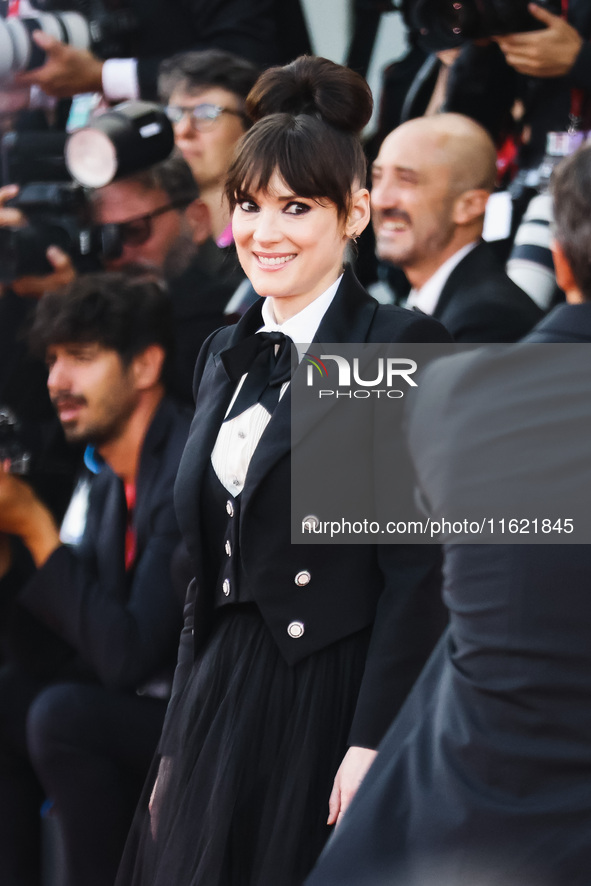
(303,326)
(426,298)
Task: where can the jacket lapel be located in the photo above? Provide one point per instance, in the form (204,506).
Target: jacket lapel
(348,319)
(213,397)
(473,266)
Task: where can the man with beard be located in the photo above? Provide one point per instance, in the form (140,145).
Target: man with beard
(96,624)
(431,182)
(155,221)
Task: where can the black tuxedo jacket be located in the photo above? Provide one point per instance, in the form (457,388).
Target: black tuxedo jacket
(480,303)
(121,626)
(348,583)
(486,773)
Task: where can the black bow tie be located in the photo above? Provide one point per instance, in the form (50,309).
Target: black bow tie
(266,370)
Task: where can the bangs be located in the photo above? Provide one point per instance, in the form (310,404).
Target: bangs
(314,160)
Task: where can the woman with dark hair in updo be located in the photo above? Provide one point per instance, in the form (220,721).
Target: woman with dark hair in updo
(287,678)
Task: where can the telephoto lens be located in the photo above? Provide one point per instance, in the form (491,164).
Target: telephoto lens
(18,50)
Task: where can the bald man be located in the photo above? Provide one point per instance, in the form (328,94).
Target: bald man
(431,182)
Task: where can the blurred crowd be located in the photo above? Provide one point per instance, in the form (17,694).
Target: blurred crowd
(108,293)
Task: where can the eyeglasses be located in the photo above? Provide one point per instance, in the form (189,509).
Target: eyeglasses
(137,231)
(202,117)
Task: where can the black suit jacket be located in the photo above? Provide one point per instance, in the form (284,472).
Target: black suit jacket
(480,303)
(264,31)
(486,773)
(123,626)
(348,583)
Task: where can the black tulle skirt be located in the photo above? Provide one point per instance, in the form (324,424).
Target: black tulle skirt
(250,749)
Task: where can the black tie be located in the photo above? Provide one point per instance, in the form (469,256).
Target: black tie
(266,371)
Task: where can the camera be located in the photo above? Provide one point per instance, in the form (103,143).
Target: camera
(84,24)
(444,24)
(130,137)
(14,457)
(58,214)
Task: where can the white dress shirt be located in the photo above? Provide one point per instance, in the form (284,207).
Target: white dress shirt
(238,438)
(120,80)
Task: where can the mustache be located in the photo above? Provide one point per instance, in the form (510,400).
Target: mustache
(61,401)
(395,215)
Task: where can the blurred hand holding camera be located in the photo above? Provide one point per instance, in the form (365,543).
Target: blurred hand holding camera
(35,285)
(67,69)
(24,515)
(63,274)
(550,52)
(5,555)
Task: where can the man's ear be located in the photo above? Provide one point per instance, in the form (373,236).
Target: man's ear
(470,206)
(197,215)
(147,367)
(564,274)
(359,214)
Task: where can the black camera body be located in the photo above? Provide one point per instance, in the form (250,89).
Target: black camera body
(444,24)
(14,456)
(110,25)
(58,214)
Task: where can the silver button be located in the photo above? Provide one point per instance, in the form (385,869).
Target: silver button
(295,629)
(302,578)
(311,522)
(235,481)
(226,587)
(228,549)
(242,434)
(229,508)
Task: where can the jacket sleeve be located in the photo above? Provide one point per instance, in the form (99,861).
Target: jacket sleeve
(125,632)
(410,614)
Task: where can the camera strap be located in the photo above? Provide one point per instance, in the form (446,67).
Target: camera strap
(577,96)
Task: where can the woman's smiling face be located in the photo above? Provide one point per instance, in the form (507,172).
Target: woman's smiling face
(290,247)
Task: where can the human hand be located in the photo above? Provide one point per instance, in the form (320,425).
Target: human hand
(67,70)
(24,515)
(10,217)
(550,52)
(63,269)
(5,554)
(158,791)
(351,773)
(63,274)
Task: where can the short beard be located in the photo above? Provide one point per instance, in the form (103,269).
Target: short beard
(180,256)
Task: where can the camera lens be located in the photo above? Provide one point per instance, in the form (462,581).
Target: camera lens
(6,50)
(444,24)
(18,50)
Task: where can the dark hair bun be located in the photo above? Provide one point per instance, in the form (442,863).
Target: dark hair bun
(313,85)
